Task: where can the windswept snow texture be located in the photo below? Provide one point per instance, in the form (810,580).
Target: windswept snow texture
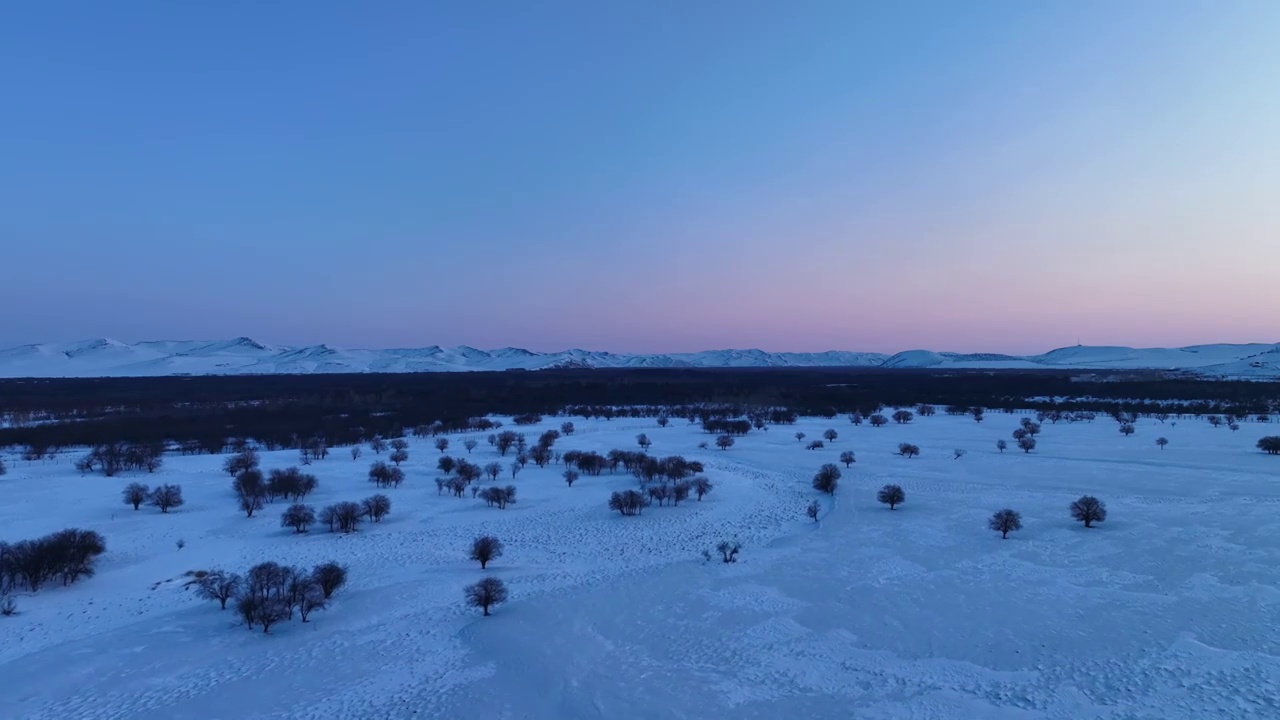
(104,358)
(1168,609)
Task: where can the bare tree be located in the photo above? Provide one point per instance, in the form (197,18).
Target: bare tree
(470,444)
(724,442)
(1214,420)
(959,453)
(926,410)
(516,467)
(799,436)
(484,549)
(701,486)
(827,479)
(399,456)
(330,577)
(891,495)
(1027,444)
(831,435)
(299,517)
(442,444)
(1001,445)
(729,551)
(908,450)
(355,452)
(219,585)
(1005,521)
(377,444)
(878,420)
(570,477)
(493,470)
(1089,510)
(167,497)
(135,494)
(567,428)
(663,421)
(1270,444)
(644,441)
(310,596)
(246,459)
(376,507)
(486,593)
(446,464)
(1126,429)
(380,474)
(903,416)
(1162,441)
(812,511)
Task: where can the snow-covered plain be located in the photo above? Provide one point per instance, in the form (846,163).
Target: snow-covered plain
(102,357)
(1167,610)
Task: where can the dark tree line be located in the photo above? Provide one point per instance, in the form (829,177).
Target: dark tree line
(204,414)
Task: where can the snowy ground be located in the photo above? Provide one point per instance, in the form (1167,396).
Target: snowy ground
(1168,610)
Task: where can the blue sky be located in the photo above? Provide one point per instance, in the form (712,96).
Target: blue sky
(642,176)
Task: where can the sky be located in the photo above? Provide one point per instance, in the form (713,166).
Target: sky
(642,176)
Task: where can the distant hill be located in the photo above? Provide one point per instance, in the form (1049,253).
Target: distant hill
(103,357)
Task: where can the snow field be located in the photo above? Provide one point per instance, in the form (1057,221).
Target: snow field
(1166,610)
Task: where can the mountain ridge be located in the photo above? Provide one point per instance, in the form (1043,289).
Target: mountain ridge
(104,357)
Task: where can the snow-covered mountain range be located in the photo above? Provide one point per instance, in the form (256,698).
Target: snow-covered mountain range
(109,358)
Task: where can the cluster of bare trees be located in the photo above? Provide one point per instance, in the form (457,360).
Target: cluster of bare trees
(271,593)
(66,555)
(315,448)
(908,450)
(163,497)
(722,426)
(499,497)
(459,474)
(527,419)
(384,475)
(628,502)
(252,490)
(343,516)
(113,458)
(590,463)
(508,439)
(667,480)
(1270,444)
(976,412)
